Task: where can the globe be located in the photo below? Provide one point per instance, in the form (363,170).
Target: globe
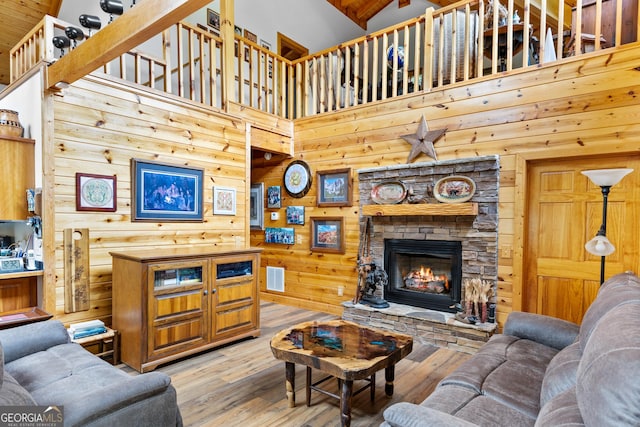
(400,57)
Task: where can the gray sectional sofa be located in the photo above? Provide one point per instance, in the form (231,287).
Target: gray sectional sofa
(40,366)
(544,371)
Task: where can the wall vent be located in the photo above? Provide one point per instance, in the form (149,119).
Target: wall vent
(275,279)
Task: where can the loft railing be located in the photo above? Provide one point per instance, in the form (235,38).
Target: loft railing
(452,45)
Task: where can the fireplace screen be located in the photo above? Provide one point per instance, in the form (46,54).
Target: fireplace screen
(424,273)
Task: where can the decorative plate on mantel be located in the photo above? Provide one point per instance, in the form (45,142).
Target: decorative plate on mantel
(454,189)
(388,193)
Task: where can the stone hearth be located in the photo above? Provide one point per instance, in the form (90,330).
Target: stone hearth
(425,326)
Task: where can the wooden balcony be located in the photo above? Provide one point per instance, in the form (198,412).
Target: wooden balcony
(450,46)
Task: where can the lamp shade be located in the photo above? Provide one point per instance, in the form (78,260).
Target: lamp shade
(600,246)
(606,177)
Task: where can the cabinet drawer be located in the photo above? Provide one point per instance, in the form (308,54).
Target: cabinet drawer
(235,292)
(172,304)
(227,320)
(188,333)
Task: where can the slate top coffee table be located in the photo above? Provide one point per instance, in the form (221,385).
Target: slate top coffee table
(341,349)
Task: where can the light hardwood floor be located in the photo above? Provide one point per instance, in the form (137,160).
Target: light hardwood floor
(242,384)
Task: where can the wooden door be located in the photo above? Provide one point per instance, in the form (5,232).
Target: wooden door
(564,212)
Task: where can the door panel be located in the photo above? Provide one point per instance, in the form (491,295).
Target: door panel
(564,212)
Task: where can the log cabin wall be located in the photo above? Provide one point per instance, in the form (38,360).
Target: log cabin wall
(584,107)
(99,126)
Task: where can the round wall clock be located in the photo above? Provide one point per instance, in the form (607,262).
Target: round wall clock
(297,178)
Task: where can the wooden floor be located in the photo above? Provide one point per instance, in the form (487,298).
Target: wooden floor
(242,384)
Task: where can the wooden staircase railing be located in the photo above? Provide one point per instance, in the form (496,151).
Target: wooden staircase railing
(451,45)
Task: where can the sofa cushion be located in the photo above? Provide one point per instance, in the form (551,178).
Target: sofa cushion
(561,411)
(473,407)
(560,375)
(608,377)
(508,370)
(18,342)
(12,393)
(619,289)
(63,373)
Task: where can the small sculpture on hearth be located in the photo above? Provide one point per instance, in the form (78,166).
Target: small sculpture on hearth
(477,293)
(375,282)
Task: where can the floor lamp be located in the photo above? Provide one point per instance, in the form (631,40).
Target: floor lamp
(605,179)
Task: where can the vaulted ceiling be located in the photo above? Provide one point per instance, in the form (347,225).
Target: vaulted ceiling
(360,11)
(17,18)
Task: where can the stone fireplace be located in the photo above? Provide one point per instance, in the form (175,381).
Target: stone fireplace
(428,249)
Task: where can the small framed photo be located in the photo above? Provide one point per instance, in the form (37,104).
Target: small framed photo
(334,187)
(281,235)
(265,44)
(273,197)
(256,206)
(96,192)
(247,54)
(295,215)
(250,36)
(327,234)
(224,201)
(213,19)
(237,30)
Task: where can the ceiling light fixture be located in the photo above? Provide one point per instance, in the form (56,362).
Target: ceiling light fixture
(91,22)
(61,42)
(75,34)
(112,7)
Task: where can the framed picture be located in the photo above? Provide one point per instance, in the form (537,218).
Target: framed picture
(213,19)
(334,187)
(237,30)
(265,44)
(164,192)
(96,192)
(224,201)
(327,234)
(273,197)
(247,54)
(256,206)
(250,36)
(281,235)
(295,215)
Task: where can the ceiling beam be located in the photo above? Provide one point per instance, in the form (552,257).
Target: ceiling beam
(134,27)
(372,8)
(349,13)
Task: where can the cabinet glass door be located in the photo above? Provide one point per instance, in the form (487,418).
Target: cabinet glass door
(164,279)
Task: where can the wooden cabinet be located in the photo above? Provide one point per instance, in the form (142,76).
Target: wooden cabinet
(172,303)
(17,154)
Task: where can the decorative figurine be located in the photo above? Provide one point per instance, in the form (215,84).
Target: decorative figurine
(376,280)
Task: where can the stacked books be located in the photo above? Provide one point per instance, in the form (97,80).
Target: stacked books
(86,329)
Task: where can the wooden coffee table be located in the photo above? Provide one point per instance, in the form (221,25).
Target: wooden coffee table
(344,350)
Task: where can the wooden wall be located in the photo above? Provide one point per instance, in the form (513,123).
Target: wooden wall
(585,107)
(98,127)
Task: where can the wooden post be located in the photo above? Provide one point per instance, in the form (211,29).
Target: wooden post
(228,49)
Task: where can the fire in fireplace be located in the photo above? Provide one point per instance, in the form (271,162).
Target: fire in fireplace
(424,273)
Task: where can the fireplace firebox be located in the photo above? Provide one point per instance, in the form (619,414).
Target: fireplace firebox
(423,273)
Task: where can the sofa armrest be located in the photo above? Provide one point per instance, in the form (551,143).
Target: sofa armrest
(406,414)
(547,330)
(27,339)
(105,402)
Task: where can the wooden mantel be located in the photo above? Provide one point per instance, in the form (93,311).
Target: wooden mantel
(468,208)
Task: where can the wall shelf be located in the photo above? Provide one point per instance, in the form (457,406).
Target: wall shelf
(457,209)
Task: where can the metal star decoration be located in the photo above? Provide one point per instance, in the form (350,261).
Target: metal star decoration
(422,141)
